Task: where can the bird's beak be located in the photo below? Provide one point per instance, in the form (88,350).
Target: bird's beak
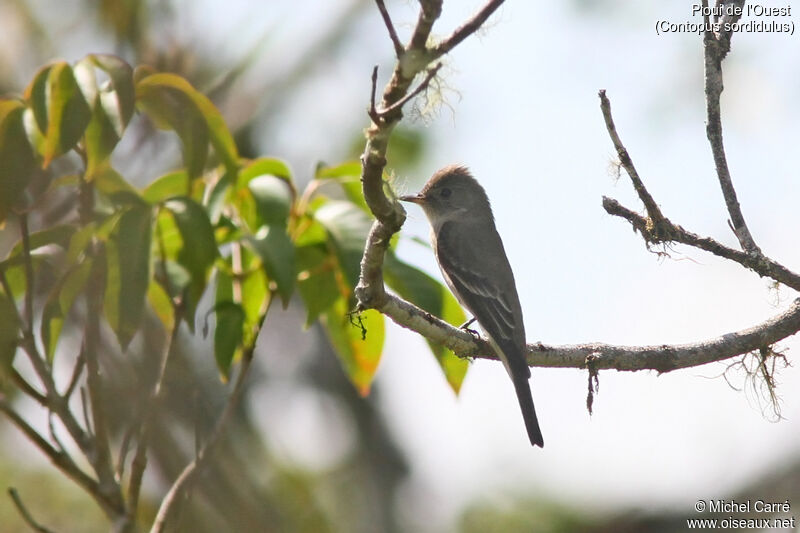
(415,198)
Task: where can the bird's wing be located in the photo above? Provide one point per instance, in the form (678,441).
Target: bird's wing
(478,273)
(476,268)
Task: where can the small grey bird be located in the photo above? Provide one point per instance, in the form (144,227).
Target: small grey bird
(473,262)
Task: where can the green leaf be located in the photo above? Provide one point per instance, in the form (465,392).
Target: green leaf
(68,114)
(348,169)
(9,333)
(174,104)
(347,227)
(118,95)
(264,166)
(169,185)
(349,177)
(255,290)
(316,280)
(264,193)
(36,96)
(273,201)
(59,303)
(133,246)
(173,110)
(161,304)
(227,335)
(198,249)
(78,243)
(359,353)
(111,183)
(17,159)
(431,296)
(276,250)
(59,235)
(111,103)
(100,142)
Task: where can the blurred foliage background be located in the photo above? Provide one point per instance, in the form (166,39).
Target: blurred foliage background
(261,87)
(289,85)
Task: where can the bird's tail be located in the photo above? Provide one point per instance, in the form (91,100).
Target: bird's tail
(523,390)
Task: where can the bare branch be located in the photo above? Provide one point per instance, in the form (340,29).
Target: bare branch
(625,160)
(431,73)
(663,358)
(80,363)
(715,51)
(372,111)
(27,388)
(26,515)
(429,12)
(659,229)
(62,460)
(668,232)
(387,20)
(467,29)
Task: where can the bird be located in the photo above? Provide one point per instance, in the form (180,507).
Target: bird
(475,267)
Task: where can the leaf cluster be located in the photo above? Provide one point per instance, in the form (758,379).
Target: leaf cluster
(219,232)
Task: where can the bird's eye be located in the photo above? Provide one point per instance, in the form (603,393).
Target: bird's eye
(445,193)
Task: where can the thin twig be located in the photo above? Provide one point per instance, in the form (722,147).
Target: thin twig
(61,459)
(27,388)
(23,511)
(125,446)
(192,468)
(467,29)
(713,90)
(627,163)
(101,459)
(431,73)
(372,110)
(669,232)
(53,435)
(398,46)
(29,278)
(87,421)
(140,457)
(80,363)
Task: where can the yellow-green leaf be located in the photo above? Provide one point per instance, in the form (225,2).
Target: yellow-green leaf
(169,185)
(161,304)
(227,335)
(174,104)
(433,297)
(359,350)
(68,113)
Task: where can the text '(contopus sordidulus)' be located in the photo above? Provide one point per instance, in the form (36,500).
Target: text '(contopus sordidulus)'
(473,262)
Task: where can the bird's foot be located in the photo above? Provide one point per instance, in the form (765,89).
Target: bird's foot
(466,327)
